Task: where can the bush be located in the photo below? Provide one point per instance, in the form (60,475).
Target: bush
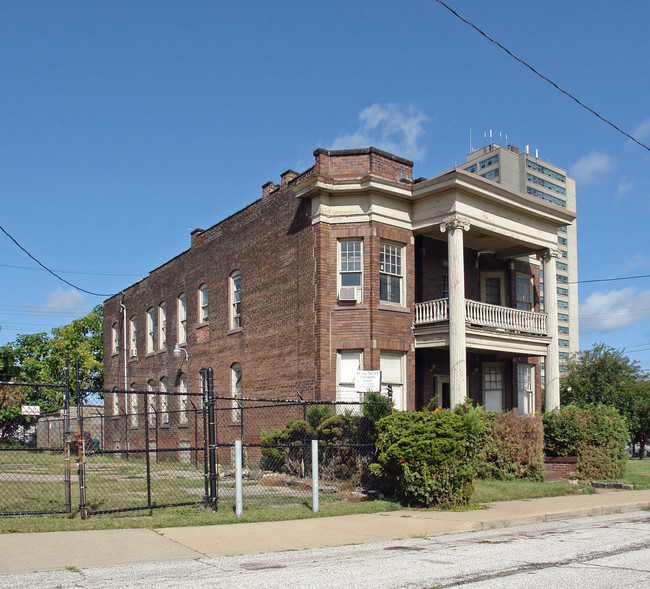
(318,413)
(376,407)
(596,434)
(511,447)
(284,450)
(427,458)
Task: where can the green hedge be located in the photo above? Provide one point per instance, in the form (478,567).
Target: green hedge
(511,447)
(596,434)
(427,458)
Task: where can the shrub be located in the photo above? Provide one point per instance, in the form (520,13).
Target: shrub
(284,450)
(511,447)
(318,413)
(376,407)
(596,434)
(427,458)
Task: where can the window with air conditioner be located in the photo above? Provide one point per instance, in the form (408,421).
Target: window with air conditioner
(350,262)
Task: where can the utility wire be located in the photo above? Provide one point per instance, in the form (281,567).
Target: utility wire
(532,69)
(96,294)
(73,271)
(611,279)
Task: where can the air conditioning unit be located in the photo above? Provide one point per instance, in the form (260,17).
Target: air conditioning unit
(349,293)
(133,353)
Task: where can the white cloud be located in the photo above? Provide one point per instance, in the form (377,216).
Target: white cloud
(592,167)
(623,189)
(614,310)
(636,262)
(67,300)
(392,127)
(642,131)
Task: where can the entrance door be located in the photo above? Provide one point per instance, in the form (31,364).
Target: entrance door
(442,392)
(525,380)
(493,386)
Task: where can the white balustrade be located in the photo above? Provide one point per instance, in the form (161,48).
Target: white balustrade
(484,315)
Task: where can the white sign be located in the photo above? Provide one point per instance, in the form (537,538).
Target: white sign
(367,381)
(30,410)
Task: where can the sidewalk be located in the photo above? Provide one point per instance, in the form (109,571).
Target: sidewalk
(22,553)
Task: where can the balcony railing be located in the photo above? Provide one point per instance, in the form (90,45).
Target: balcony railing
(483,315)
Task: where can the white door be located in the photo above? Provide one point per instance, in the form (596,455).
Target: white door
(525,380)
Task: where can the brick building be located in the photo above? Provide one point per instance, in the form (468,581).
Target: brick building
(351,265)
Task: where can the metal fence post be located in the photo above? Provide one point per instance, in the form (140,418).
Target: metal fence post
(67,479)
(239,499)
(81,448)
(146,446)
(212,442)
(314,475)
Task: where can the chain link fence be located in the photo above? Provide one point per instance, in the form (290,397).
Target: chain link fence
(142,450)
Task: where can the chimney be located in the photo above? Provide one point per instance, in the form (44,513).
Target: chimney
(287,177)
(269,187)
(513,149)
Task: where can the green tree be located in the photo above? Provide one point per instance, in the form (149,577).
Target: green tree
(605,376)
(40,358)
(600,375)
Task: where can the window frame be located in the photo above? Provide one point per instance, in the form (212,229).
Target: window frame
(162,325)
(521,303)
(346,388)
(349,259)
(235,300)
(115,333)
(500,368)
(236,392)
(399,252)
(501,275)
(133,335)
(400,402)
(203,303)
(183,400)
(182,318)
(151,330)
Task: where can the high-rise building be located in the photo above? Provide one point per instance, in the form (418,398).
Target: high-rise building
(535,177)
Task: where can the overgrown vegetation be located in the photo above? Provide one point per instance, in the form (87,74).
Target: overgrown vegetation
(511,447)
(605,376)
(596,434)
(427,458)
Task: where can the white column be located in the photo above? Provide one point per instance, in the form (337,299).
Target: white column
(552,365)
(457,348)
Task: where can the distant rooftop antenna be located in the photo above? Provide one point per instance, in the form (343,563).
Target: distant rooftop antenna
(527,149)
(537,153)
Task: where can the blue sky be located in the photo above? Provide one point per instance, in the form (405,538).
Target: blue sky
(124,125)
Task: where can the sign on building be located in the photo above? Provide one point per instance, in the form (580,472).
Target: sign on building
(367,381)
(30,410)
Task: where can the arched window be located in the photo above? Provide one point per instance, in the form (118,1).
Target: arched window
(235,300)
(182,318)
(162,325)
(183,401)
(203,303)
(151,329)
(236,392)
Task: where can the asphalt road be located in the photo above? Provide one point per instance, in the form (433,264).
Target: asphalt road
(594,552)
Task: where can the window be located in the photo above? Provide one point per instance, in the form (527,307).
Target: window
(471,169)
(488,162)
(183,401)
(133,409)
(563,304)
(524,292)
(182,318)
(133,328)
(347,365)
(162,325)
(562,316)
(115,338)
(562,240)
(236,392)
(445,281)
(151,329)
(563,329)
(350,269)
(546,197)
(390,273)
(116,402)
(492,287)
(544,170)
(493,387)
(151,389)
(203,303)
(561,266)
(491,174)
(235,300)
(563,291)
(525,390)
(564,343)
(391,365)
(164,402)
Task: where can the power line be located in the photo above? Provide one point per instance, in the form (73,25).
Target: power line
(532,69)
(610,279)
(96,294)
(74,272)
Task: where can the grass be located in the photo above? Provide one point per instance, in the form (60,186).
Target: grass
(490,491)
(637,473)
